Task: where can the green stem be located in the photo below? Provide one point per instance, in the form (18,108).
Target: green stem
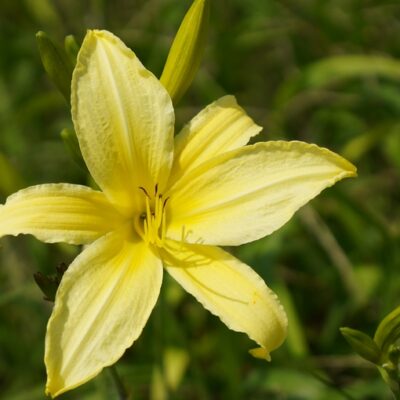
(121,389)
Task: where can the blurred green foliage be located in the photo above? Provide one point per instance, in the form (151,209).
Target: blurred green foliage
(322,71)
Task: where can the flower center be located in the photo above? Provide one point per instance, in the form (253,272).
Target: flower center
(151,223)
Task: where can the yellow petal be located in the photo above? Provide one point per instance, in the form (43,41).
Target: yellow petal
(123,118)
(219,128)
(59,213)
(250,192)
(229,289)
(101,307)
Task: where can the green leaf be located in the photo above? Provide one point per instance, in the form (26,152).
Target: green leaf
(186,51)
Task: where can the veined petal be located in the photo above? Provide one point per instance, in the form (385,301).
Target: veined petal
(250,192)
(219,128)
(59,213)
(123,118)
(229,289)
(101,307)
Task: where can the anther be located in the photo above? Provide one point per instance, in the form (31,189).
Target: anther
(165,203)
(144,191)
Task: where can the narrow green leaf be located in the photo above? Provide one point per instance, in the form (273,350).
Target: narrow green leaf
(362,344)
(186,51)
(332,70)
(336,68)
(56,63)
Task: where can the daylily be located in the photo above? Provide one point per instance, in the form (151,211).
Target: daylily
(164,202)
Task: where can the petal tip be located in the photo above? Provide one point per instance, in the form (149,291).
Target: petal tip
(52,389)
(261,353)
(352,171)
(348,168)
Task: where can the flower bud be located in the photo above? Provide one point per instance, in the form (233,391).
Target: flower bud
(362,344)
(56,63)
(388,332)
(71,143)
(71,48)
(186,51)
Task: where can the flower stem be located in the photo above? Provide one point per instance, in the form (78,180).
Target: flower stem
(121,389)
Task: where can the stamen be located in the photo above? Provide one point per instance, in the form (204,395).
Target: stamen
(165,203)
(145,231)
(151,224)
(148,211)
(163,226)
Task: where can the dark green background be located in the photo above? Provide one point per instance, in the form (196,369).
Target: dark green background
(320,71)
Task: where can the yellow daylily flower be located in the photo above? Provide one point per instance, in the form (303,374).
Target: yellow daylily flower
(163,203)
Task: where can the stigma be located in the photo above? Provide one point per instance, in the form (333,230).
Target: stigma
(150,224)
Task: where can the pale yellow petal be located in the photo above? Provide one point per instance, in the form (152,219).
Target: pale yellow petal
(219,128)
(229,289)
(59,213)
(250,192)
(123,118)
(101,307)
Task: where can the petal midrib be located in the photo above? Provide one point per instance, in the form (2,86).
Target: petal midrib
(125,129)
